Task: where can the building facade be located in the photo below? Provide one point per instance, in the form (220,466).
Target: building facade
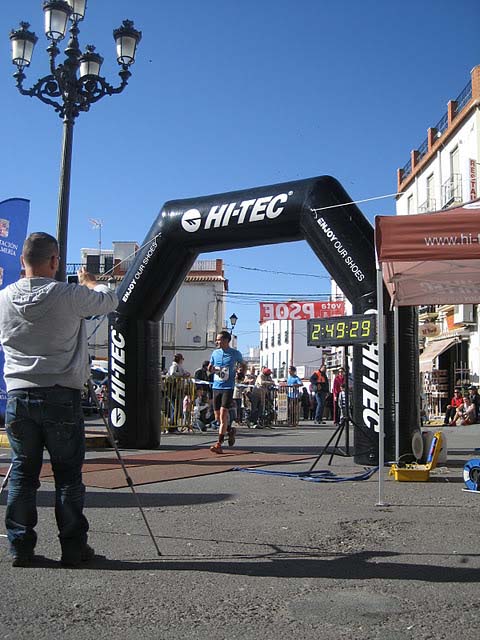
(196,315)
(443,172)
(191,321)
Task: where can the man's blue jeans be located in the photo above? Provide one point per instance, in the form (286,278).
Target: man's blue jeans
(48,417)
(320,398)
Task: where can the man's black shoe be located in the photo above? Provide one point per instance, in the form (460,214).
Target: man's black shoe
(23,560)
(76,559)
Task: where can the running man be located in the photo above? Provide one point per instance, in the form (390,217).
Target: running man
(223,364)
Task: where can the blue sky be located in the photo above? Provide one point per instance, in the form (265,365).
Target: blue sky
(229,95)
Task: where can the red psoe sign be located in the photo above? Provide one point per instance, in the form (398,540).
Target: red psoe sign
(300,310)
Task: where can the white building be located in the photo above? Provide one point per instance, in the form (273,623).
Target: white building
(191,321)
(110,262)
(443,172)
(196,315)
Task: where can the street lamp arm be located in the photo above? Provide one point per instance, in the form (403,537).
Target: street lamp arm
(76,96)
(45,89)
(93,88)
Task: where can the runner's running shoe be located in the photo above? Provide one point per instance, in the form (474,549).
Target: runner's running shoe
(216,448)
(232,432)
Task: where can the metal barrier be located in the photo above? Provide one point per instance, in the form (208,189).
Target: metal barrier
(281,405)
(287,402)
(178,396)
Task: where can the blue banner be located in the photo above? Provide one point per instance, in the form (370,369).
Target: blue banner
(13,231)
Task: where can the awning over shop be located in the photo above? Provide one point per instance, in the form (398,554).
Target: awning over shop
(433,350)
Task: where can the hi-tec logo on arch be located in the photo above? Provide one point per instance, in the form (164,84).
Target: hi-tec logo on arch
(222,215)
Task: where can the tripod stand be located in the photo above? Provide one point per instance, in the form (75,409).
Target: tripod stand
(343,425)
(128,479)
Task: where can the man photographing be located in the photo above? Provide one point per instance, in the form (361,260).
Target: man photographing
(44,338)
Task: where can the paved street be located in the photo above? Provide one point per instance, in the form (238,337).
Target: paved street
(258,556)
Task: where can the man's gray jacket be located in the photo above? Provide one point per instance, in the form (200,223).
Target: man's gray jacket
(43,331)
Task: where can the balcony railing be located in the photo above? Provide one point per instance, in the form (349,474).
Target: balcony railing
(118,269)
(428,308)
(407,169)
(423,149)
(441,126)
(452,190)
(464,97)
(73,267)
(428,205)
(204,265)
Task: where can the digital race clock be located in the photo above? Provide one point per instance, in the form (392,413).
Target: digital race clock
(342,330)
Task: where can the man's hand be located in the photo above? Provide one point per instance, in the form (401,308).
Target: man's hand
(86,279)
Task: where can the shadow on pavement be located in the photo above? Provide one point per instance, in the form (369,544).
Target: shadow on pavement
(110,500)
(363,565)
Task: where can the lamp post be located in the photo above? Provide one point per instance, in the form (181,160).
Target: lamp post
(233,321)
(71,87)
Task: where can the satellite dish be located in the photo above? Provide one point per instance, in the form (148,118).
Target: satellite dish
(417,444)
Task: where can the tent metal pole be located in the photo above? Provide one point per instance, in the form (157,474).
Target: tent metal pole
(381,388)
(397,381)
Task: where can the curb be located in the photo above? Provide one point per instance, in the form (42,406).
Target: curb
(97,441)
(92,441)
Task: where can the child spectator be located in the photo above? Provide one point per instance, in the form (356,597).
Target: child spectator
(187,409)
(342,404)
(200,410)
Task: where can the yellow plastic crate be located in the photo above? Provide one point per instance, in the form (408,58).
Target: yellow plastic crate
(410,473)
(419,472)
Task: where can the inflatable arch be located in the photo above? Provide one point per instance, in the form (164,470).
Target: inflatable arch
(316,210)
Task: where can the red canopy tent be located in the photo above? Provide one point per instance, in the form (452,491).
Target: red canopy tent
(431,258)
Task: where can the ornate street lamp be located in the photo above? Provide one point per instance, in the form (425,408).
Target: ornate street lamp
(71,87)
(233,321)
